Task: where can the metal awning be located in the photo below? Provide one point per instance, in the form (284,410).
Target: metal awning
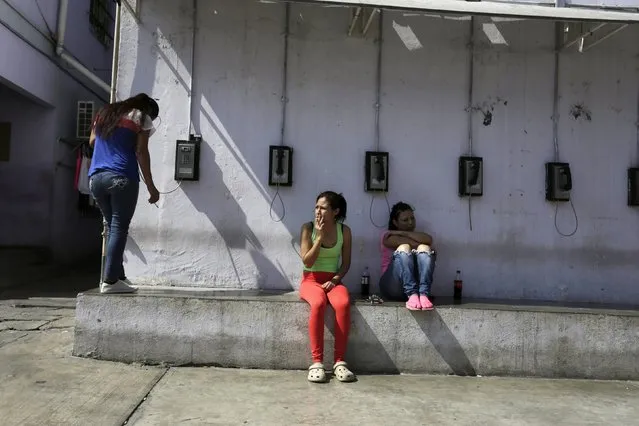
(623,11)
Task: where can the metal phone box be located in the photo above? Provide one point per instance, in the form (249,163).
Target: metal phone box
(471,176)
(187,158)
(633,186)
(376,171)
(280,165)
(558,182)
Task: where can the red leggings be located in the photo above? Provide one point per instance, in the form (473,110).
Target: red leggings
(312,292)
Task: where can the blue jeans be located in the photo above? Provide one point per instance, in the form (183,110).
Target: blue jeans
(117,197)
(401,280)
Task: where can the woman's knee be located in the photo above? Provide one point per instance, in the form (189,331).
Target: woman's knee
(423,248)
(318,306)
(403,248)
(340,299)
(341,304)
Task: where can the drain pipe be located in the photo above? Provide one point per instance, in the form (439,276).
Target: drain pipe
(112,98)
(59,49)
(116,54)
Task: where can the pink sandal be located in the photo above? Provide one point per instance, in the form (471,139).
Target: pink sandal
(413,303)
(427,305)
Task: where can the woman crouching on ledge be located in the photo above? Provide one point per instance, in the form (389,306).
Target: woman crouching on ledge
(408,260)
(324,241)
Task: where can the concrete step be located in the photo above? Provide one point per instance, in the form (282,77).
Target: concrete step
(252,329)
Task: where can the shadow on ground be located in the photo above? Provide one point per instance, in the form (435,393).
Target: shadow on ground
(25,278)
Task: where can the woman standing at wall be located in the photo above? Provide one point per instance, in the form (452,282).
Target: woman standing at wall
(120,138)
(324,241)
(401,248)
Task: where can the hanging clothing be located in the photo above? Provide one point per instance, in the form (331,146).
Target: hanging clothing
(86,204)
(78,165)
(83,178)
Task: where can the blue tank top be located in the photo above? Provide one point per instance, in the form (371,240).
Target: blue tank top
(117,153)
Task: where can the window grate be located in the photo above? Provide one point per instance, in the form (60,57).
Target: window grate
(101,21)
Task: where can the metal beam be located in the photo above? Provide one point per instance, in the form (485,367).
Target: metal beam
(354,19)
(588,41)
(369,21)
(588,35)
(492,8)
(574,31)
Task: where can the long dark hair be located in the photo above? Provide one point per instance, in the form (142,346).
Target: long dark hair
(336,201)
(109,116)
(395,212)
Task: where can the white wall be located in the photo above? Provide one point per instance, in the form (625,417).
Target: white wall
(79,38)
(217,232)
(79,42)
(42,14)
(83,44)
(25,178)
(588,3)
(40,97)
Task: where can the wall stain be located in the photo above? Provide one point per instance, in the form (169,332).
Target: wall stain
(487,108)
(580,111)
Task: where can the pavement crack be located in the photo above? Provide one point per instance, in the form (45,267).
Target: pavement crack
(151,387)
(14,340)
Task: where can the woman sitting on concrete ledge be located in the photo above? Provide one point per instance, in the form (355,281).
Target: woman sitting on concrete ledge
(401,248)
(324,241)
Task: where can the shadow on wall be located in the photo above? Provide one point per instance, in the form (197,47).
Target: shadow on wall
(211,196)
(134,248)
(232,105)
(144,77)
(444,342)
(274,276)
(218,204)
(143,82)
(365,349)
(370,354)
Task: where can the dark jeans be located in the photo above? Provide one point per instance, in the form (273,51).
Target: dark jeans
(401,280)
(117,197)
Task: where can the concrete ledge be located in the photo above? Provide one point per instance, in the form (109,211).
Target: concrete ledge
(251,329)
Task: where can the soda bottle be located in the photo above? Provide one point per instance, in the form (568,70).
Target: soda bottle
(365,283)
(457,286)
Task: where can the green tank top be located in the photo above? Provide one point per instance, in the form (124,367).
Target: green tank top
(328,259)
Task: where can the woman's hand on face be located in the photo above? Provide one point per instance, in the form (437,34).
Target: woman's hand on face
(319,226)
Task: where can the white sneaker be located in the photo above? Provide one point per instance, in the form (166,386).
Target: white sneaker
(117,287)
(127,282)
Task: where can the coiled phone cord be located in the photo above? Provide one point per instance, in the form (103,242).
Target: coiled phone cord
(284,100)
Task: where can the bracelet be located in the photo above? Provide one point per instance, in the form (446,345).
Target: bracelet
(338,279)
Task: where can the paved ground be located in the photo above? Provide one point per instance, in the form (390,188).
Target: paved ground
(42,384)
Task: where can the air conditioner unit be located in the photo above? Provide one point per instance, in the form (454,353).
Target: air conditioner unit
(84,119)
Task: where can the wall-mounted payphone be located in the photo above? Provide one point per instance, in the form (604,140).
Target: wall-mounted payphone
(376,171)
(187,158)
(558,182)
(471,176)
(633,186)
(280,165)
